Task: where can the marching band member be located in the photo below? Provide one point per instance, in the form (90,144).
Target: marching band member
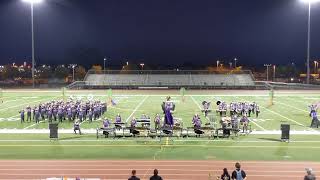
(118,118)
(197,125)
(315,121)
(106,123)
(234,121)
(232,108)
(312,109)
(22,115)
(37,116)
(157,121)
(90,115)
(133,123)
(76,126)
(28,113)
(206,107)
(196,121)
(244,121)
(69,114)
(49,114)
(257,109)
(60,113)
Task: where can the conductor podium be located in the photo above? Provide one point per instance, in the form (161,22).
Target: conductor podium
(285,132)
(53,127)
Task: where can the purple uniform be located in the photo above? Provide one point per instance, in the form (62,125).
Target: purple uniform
(133,123)
(106,123)
(118,119)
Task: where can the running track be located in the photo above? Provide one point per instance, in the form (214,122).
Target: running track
(169,170)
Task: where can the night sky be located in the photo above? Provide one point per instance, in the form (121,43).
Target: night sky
(159,31)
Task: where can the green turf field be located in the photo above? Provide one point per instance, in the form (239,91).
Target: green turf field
(289,107)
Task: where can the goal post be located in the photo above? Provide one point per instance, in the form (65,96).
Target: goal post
(64,91)
(271,95)
(109,96)
(182,93)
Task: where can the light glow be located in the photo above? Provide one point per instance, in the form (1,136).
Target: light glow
(310,1)
(32,1)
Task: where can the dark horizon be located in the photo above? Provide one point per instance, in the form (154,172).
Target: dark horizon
(159,32)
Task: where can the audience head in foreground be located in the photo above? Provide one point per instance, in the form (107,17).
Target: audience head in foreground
(133,175)
(155,175)
(310,175)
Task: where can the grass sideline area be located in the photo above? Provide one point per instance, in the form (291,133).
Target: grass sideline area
(289,107)
(255,147)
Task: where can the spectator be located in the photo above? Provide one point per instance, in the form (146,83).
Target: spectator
(134,177)
(155,175)
(238,174)
(309,175)
(225,175)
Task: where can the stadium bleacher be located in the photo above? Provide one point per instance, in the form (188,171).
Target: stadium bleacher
(168,79)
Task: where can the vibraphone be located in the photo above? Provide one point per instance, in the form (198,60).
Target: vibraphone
(143,129)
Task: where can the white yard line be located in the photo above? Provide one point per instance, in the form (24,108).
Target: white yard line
(258,125)
(136,108)
(6,119)
(278,114)
(33,125)
(306,102)
(291,106)
(195,102)
(10,101)
(31,102)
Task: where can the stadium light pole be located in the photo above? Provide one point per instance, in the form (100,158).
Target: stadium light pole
(308,48)
(267,65)
(315,66)
(235,62)
(274,73)
(104,64)
(73,66)
(142,64)
(218,64)
(32,2)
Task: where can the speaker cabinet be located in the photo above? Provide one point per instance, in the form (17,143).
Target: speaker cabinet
(285,131)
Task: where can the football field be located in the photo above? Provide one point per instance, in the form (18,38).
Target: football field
(29,143)
(290,107)
(29,140)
